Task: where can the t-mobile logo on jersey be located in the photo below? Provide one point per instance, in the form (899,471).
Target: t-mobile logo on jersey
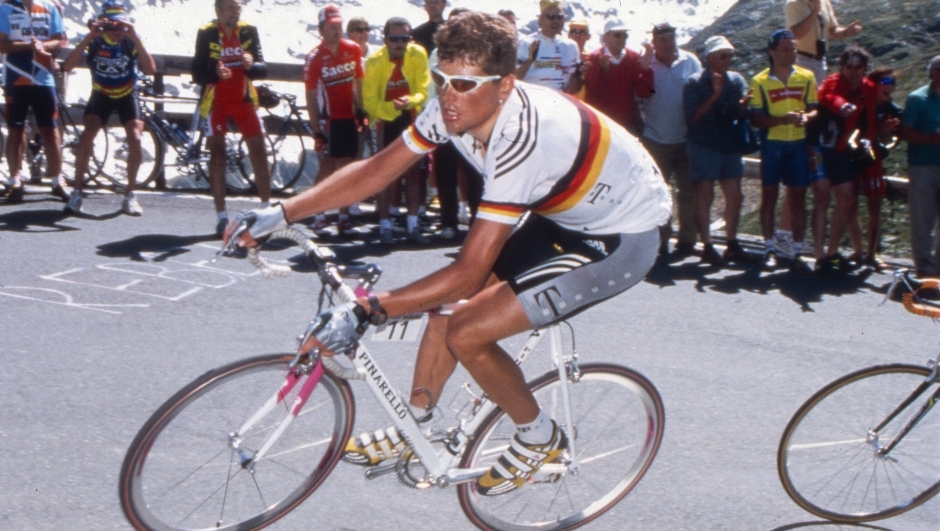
(598,192)
(549,299)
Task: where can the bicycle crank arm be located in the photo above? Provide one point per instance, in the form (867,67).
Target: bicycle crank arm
(380,470)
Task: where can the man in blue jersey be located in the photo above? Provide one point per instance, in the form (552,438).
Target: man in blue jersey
(113,52)
(31,33)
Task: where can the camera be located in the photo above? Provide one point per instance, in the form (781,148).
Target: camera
(105,24)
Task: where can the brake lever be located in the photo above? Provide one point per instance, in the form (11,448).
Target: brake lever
(228,247)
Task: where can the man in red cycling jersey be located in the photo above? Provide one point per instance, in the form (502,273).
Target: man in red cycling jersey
(228,57)
(333,74)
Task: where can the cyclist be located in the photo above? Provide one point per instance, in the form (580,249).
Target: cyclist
(333,71)
(228,57)
(594,199)
(31,32)
(113,51)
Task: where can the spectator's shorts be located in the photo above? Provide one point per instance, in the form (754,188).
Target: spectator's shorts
(42,100)
(784,161)
(872,182)
(344,138)
(710,165)
(102,106)
(839,169)
(394,129)
(242,113)
(556,273)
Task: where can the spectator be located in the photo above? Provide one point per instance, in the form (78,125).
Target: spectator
(615,76)
(113,51)
(548,58)
(664,131)
(509,15)
(783,102)
(228,57)
(812,23)
(394,89)
(31,33)
(920,127)
(847,111)
(580,33)
(357,30)
(713,100)
(871,181)
(424,34)
(334,71)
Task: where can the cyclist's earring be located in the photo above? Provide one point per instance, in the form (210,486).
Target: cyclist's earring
(499,102)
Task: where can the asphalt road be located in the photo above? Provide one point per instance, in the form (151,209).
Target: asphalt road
(103,317)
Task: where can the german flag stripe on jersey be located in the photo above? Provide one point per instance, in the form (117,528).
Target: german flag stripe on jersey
(501,209)
(592,152)
(419,140)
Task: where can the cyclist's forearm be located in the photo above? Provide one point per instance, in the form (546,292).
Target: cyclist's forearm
(145,61)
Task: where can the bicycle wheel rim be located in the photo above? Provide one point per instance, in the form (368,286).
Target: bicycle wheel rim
(829,466)
(114,168)
(286,157)
(237,165)
(70,135)
(619,421)
(180,472)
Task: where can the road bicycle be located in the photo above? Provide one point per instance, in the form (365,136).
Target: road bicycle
(866,446)
(70,133)
(284,141)
(192,158)
(244,444)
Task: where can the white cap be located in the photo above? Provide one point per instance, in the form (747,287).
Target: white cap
(717,43)
(615,25)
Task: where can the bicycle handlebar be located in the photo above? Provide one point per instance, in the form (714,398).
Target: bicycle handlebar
(911,301)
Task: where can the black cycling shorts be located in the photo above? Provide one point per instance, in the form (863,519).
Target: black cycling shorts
(392,130)
(344,139)
(43,101)
(102,106)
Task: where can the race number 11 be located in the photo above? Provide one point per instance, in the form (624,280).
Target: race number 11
(404,329)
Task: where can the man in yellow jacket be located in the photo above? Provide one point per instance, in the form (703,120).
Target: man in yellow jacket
(394,90)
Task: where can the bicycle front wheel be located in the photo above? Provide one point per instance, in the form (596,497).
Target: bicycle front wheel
(618,426)
(828,458)
(114,168)
(70,134)
(184,472)
(286,156)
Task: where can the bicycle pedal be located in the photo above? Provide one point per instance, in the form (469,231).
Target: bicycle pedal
(380,470)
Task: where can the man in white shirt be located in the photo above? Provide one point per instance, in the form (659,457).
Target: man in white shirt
(813,23)
(664,130)
(548,58)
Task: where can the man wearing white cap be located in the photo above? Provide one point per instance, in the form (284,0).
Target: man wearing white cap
(713,100)
(548,58)
(614,75)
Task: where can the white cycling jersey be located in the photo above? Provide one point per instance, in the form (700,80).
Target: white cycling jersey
(559,158)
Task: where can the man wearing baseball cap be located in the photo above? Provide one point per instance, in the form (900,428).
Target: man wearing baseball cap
(548,58)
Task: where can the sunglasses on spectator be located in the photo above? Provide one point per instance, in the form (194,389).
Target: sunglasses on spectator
(399,39)
(724,55)
(618,34)
(461,84)
(559,16)
(854,66)
(578,32)
(363,29)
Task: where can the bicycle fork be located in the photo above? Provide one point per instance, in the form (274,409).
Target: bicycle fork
(248,460)
(884,451)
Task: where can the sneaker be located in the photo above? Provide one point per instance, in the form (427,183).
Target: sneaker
(74,204)
(710,256)
(735,253)
(833,263)
(770,261)
(386,236)
(519,462)
(448,233)
(370,449)
(875,262)
(801,266)
(130,206)
(463,216)
(15,195)
(59,189)
(683,249)
(319,225)
(783,245)
(220,226)
(344,227)
(416,237)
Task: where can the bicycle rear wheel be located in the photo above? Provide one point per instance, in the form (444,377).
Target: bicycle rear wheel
(151,161)
(286,156)
(619,420)
(237,165)
(828,461)
(181,472)
(70,134)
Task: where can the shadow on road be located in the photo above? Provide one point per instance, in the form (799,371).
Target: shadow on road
(34,221)
(804,290)
(163,245)
(829,526)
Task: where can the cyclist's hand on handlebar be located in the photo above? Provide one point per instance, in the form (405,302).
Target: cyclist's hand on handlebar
(260,222)
(336,330)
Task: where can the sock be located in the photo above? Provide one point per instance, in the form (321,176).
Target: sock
(223,215)
(385,224)
(464,205)
(412,223)
(539,431)
(265,204)
(422,210)
(343,217)
(769,245)
(797,248)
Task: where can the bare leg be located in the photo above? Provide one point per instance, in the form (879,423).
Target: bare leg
(704,195)
(731,189)
(134,129)
(874,225)
(821,195)
(86,142)
(259,165)
(434,365)
(768,204)
(796,196)
(413,190)
(15,145)
(844,194)
(52,146)
(216,146)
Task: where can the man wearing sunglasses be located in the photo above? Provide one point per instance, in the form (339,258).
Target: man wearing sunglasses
(394,90)
(548,58)
(569,217)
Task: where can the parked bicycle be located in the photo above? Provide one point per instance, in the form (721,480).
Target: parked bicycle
(192,158)
(866,446)
(244,444)
(70,132)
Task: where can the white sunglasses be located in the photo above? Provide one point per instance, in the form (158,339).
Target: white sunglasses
(461,84)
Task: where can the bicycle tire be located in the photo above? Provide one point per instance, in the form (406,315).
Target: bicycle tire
(114,168)
(286,156)
(70,134)
(619,420)
(181,473)
(236,164)
(828,465)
